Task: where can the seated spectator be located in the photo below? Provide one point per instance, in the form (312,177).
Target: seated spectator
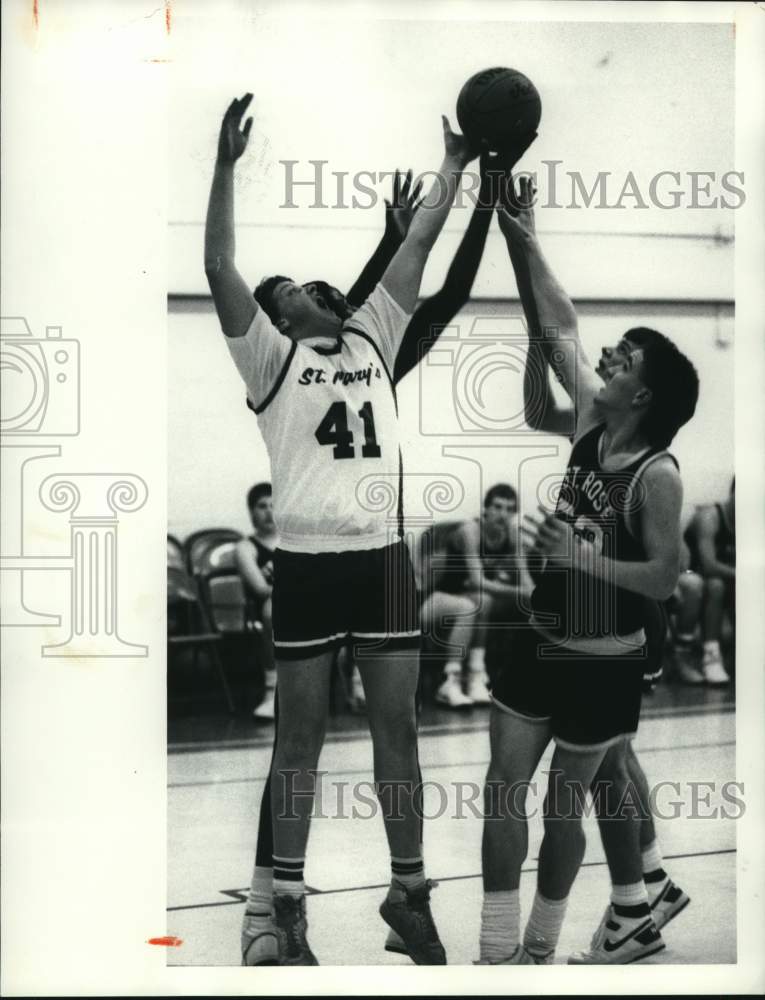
(469,579)
(709,590)
(254,559)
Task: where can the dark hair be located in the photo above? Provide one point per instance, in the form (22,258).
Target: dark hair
(673,381)
(264,296)
(256,493)
(334,298)
(502,490)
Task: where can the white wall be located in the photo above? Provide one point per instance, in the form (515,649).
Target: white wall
(215,452)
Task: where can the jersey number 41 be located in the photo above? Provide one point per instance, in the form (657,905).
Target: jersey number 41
(333,430)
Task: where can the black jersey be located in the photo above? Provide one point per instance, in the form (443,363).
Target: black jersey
(725,541)
(497,563)
(583,613)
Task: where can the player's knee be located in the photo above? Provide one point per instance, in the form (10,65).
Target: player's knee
(300,743)
(691,586)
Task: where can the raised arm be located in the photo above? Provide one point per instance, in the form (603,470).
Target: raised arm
(233,298)
(436,312)
(556,316)
(403,276)
(399,212)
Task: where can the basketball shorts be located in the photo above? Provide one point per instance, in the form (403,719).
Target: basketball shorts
(323,600)
(588,703)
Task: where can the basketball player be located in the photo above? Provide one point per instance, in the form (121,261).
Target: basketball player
(324,398)
(259,944)
(255,562)
(620,774)
(582,686)
(482,581)
(711,540)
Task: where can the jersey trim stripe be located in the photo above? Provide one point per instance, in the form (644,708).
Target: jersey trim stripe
(279,379)
(365,336)
(386,635)
(629,515)
(606,645)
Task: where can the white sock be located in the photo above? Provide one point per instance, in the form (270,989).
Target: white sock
(270,679)
(453,668)
(543,928)
(288,876)
(712,646)
(477,661)
(260,895)
(630,902)
(500,925)
(407,873)
(654,876)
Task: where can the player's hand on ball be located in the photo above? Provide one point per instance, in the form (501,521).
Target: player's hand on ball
(516,213)
(399,212)
(458,147)
(232,141)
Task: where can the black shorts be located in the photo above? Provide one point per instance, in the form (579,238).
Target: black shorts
(320,601)
(589,703)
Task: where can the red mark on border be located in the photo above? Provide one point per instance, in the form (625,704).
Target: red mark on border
(168,16)
(168,941)
(36,13)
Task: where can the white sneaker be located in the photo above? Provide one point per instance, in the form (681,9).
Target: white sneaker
(477,689)
(712,667)
(615,944)
(670,901)
(451,694)
(687,671)
(265,709)
(260,942)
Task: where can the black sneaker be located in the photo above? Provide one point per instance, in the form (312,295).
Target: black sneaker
(291,927)
(407,911)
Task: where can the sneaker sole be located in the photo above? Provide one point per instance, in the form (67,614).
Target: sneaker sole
(395,950)
(650,950)
(673,914)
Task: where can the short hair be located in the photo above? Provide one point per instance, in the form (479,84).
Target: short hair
(503,491)
(256,494)
(265,297)
(673,381)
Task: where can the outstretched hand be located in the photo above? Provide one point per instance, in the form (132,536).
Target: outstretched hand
(516,212)
(400,210)
(233,139)
(458,147)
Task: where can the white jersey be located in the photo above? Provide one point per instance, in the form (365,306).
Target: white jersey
(327,412)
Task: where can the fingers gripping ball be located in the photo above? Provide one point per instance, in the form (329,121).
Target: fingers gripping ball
(498,105)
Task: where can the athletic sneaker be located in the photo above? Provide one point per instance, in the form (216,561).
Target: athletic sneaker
(394,943)
(670,901)
(407,911)
(521,956)
(612,944)
(686,669)
(712,668)
(291,926)
(265,710)
(451,694)
(477,689)
(260,941)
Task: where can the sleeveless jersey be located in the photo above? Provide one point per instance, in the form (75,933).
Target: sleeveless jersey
(327,411)
(495,563)
(575,609)
(725,541)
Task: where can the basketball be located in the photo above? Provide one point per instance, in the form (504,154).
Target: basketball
(498,105)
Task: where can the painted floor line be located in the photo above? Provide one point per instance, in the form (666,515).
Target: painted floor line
(241,894)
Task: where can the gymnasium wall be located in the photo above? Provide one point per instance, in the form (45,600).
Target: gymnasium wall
(215,451)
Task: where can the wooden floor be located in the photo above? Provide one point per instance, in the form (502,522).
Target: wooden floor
(215,789)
